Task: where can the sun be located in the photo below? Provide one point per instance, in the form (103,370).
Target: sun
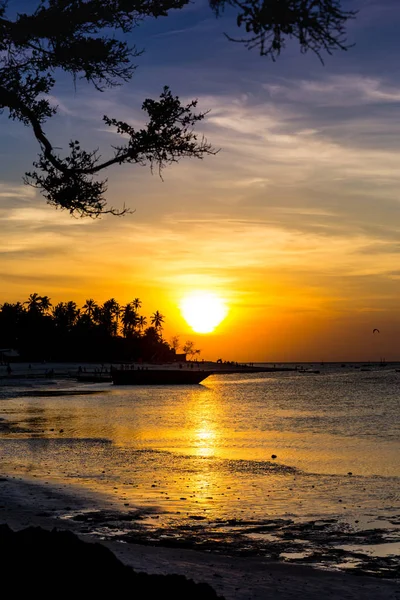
(203,311)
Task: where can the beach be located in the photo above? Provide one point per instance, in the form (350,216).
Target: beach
(232,482)
(23,504)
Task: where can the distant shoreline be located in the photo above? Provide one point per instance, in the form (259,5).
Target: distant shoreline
(17,371)
(73,370)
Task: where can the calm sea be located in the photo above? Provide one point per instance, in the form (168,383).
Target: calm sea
(295,466)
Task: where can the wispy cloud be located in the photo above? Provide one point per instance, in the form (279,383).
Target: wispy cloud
(20,192)
(336,90)
(37,217)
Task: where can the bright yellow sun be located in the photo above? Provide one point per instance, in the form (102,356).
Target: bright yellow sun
(203,311)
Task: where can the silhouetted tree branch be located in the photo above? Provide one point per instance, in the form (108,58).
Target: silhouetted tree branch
(70,182)
(318,25)
(78,37)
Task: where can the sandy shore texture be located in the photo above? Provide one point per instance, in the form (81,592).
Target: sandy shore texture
(24,503)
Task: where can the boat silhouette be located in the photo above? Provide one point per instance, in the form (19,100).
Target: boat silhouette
(158,376)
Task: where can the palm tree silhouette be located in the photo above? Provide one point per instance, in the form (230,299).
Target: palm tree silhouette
(129,320)
(142,322)
(34,303)
(72,312)
(89,308)
(45,304)
(93,332)
(157,319)
(111,311)
(136,303)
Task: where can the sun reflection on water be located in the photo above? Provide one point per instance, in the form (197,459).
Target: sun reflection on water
(204,442)
(205,417)
(203,453)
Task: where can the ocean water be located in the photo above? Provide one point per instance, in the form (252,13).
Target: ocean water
(301,467)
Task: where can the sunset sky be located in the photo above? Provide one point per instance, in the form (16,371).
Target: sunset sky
(295,223)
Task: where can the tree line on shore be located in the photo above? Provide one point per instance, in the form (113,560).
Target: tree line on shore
(105,332)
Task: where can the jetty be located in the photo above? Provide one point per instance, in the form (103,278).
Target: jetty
(99,373)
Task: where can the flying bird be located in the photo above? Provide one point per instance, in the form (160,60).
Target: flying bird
(377,331)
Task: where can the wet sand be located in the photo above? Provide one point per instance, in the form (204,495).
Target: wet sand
(24,503)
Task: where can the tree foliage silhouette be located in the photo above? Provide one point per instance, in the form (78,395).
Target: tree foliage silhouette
(157,320)
(100,332)
(79,38)
(318,25)
(190,350)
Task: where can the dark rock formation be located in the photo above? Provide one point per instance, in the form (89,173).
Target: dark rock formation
(58,564)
